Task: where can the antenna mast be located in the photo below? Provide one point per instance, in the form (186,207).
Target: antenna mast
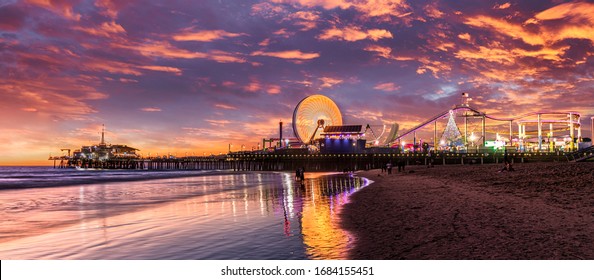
(103,135)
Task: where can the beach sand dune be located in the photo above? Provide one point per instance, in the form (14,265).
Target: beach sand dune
(540,211)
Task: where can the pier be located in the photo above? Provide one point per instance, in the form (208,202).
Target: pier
(310,162)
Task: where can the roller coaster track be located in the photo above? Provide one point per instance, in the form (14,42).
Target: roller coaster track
(478,113)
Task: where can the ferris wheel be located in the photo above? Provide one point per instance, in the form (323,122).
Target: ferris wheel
(312,114)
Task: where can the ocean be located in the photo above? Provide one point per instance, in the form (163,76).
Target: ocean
(51,213)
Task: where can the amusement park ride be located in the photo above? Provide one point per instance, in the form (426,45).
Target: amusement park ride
(317,124)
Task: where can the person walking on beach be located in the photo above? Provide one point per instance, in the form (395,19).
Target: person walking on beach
(507,166)
(389,167)
(302,174)
(298,174)
(401,164)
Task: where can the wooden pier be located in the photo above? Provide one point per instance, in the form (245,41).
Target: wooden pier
(310,162)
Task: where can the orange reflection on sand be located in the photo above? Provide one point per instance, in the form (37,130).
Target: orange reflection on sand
(322,235)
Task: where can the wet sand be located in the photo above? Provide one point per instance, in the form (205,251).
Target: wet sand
(540,211)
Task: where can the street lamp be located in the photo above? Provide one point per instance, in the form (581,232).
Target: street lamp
(230,145)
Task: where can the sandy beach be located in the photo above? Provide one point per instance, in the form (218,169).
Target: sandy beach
(540,211)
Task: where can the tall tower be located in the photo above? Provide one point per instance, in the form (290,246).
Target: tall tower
(280,133)
(103,135)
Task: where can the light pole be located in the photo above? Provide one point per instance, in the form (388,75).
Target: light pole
(472,139)
(230,145)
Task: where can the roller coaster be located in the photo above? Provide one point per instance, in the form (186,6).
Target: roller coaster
(561,132)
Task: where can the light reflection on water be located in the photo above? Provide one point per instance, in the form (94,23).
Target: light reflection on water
(242,216)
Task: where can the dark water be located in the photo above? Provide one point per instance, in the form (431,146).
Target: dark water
(226,216)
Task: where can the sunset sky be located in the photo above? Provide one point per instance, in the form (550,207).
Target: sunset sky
(194,76)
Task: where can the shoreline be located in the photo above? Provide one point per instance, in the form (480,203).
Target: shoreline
(540,211)
(159,174)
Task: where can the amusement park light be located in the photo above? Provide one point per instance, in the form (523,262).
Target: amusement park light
(472,137)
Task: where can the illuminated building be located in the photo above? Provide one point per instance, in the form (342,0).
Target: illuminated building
(103,151)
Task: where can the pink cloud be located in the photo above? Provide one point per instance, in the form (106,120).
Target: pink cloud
(328,82)
(290,54)
(367,8)
(124,80)
(352,34)
(433,11)
(386,87)
(218,122)
(386,52)
(111,8)
(166,50)
(106,29)
(63,8)
(168,69)
(516,31)
(502,6)
(381,51)
(306,19)
(225,106)
(464,36)
(151,109)
(273,89)
(204,35)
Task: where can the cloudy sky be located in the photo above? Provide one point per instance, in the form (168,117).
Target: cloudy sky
(194,76)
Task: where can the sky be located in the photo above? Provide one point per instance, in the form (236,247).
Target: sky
(192,77)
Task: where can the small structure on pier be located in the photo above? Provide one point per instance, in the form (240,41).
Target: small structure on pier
(342,139)
(104,151)
(96,154)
